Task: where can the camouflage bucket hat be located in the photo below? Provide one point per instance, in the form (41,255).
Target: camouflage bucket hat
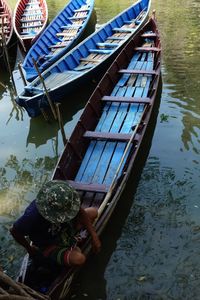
(58,202)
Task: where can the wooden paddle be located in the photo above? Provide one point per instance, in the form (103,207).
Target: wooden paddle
(114,181)
(45,89)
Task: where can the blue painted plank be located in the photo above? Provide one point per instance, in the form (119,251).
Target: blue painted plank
(92,144)
(98,151)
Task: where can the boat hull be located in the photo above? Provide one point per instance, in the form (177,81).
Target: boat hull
(105,146)
(74,68)
(49,46)
(30,19)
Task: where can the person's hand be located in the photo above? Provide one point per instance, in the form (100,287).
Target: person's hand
(96,244)
(32,250)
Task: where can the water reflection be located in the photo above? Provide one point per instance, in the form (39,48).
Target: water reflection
(160,261)
(181,55)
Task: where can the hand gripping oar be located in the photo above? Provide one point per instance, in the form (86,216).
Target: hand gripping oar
(114,181)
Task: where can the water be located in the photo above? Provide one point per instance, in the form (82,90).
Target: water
(151,248)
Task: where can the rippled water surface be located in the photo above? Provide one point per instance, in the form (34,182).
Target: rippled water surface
(151,249)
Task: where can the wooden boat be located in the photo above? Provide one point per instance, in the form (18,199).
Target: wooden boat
(105,144)
(59,37)
(6,26)
(30,19)
(87,60)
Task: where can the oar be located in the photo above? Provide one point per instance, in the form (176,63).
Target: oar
(7,59)
(114,181)
(3,85)
(60,121)
(45,89)
(22,74)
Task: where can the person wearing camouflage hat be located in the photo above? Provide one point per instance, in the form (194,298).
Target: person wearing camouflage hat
(51,222)
(58,202)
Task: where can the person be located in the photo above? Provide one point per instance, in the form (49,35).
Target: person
(51,223)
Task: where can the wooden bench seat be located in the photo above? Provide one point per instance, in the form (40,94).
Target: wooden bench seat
(96,188)
(81,9)
(107,45)
(149,35)
(122,137)
(137,72)
(33,20)
(77,18)
(128,30)
(91,60)
(116,38)
(57,46)
(136,100)
(100,51)
(147,49)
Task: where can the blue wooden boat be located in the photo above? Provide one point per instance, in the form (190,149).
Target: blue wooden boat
(105,145)
(85,61)
(60,36)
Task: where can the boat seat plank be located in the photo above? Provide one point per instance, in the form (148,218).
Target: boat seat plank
(31,26)
(91,60)
(97,188)
(31,15)
(67,34)
(83,67)
(127,99)
(107,136)
(145,72)
(101,51)
(30,21)
(78,17)
(56,46)
(70,26)
(82,9)
(147,49)
(124,30)
(109,45)
(149,35)
(115,38)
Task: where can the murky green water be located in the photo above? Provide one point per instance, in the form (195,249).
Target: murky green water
(152,249)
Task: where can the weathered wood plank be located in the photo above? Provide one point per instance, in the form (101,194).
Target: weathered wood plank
(97,188)
(106,136)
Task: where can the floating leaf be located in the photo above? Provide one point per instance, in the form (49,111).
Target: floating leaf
(141,278)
